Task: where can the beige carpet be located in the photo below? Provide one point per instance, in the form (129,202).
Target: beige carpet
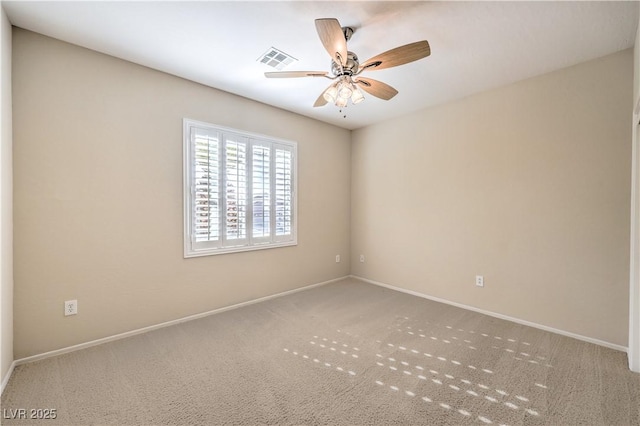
(344,353)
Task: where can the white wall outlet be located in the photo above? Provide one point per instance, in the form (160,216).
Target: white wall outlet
(362,258)
(337,258)
(479,280)
(70,307)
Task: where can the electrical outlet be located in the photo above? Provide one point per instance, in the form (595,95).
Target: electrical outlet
(479,280)
(337,258)
(70,307)
(362,258)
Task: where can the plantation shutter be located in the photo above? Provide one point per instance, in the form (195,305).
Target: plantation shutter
(283,171)
(239,191)
(261,192)
(205,188)
(235,172)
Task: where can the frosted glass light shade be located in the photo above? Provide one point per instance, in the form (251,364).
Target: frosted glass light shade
(357,96)
(331,94)
(344,90)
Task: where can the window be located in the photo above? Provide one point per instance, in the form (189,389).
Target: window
(239,191)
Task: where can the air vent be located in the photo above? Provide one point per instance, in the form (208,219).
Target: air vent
(276,58)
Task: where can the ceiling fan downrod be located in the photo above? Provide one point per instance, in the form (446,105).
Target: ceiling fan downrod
(348,32)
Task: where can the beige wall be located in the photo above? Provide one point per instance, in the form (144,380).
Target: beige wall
(6,201)
(527,185)
(634,285)
(636,66)
(98,198)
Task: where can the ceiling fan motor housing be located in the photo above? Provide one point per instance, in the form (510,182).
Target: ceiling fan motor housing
(350,68)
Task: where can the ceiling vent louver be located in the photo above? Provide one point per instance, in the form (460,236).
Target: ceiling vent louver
(276,58)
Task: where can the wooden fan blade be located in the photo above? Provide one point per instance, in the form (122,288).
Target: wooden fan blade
(321,101)
(376,88)
(332,38)
(295,74)
(398,56)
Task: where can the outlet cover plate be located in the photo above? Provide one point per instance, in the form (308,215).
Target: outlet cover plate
(70,307)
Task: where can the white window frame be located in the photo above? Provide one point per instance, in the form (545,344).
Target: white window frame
(224,246)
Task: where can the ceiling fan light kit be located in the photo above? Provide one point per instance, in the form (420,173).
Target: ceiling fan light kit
(341,91)
(345,67)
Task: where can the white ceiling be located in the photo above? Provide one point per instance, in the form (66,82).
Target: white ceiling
(475,45)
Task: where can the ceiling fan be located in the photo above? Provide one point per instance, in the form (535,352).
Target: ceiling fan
(346,68)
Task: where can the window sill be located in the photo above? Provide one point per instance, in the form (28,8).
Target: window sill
(189,253)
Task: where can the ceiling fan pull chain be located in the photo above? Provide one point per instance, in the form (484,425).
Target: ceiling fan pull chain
(340,111)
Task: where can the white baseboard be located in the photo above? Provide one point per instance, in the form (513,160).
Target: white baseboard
(496,315)
(7,376)
(161,325)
